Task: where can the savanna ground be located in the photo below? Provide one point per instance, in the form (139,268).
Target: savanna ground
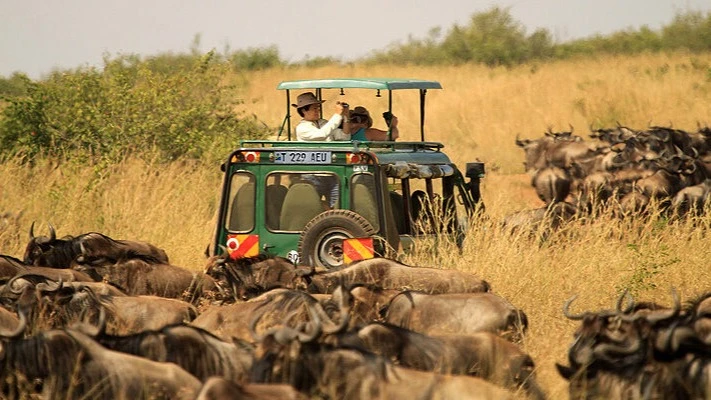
(478,115)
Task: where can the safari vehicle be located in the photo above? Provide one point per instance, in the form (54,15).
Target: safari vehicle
(328,203)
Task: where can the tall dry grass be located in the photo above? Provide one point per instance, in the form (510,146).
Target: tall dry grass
(478,116)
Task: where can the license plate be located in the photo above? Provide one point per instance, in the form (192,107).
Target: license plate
(302,157)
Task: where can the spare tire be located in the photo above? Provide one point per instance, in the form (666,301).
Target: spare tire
(321,242)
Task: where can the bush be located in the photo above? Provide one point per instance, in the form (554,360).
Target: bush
(125,109)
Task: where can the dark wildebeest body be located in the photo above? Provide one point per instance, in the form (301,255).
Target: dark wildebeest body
(140,277)
(390,274)
(552,184)
(483,354)
(11,267)
(92,247)
(460,313)
(246,278)
(196,350)
(70,365)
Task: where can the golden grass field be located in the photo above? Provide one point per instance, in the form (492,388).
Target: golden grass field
(477,116)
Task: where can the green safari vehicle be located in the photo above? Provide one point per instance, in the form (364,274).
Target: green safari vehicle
(328,203)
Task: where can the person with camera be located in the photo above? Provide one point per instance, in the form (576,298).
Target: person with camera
(312,127)
(361,126)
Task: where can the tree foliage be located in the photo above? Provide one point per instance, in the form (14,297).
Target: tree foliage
(495,38)
(127,108)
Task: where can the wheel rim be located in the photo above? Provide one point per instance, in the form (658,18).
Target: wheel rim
(329,251)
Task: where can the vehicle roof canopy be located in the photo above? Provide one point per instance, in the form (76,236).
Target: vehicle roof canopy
(378,84)
(360,83)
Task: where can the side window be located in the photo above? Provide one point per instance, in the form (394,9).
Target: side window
(274,195)
(307,195)
(241,209)
(363,198)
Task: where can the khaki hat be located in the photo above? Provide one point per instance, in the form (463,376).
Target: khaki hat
(306,99)
(360,110)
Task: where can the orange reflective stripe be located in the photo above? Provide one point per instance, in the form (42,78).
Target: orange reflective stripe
(247,246)
(357,249)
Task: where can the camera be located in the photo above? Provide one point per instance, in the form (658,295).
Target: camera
(388,116)
(345,105)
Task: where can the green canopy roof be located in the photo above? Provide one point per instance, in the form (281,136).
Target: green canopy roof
(360,83)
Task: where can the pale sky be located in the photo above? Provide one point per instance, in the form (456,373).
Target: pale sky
(37,36)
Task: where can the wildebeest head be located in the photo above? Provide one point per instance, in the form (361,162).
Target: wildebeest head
(49,251)
(616,341)
(91,248)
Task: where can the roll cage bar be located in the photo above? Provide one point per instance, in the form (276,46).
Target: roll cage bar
(377,84)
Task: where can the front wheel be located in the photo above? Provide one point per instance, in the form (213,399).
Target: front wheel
(321,242)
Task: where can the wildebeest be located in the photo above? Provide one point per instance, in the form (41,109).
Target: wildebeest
(196,350)
(59,304)
(139,276)
(92,247)
(552,184)
(11,267)
(691,199)
(482,354)
(391,274)
(266,311)
(287,355)
(457,313)
(70,365)
(540,220)
(560,149)
(218,388)
(245,278)
(368,303)
(636,353)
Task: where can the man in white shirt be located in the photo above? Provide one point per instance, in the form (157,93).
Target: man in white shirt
(313,127)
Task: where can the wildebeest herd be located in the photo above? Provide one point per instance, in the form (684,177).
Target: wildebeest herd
(93,317)
(89,316)
(622,170)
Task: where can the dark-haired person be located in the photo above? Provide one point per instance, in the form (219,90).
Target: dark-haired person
(312,127)
(361,126)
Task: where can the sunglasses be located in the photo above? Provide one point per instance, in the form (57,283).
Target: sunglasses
(359,119)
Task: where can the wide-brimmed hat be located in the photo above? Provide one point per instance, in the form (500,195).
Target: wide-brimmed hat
(360,110)
(306,99)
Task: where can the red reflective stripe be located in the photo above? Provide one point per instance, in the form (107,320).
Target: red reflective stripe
(357,249)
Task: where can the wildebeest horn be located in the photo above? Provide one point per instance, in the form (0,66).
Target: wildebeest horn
(285,334)
(224,251)
(32,279)
(21,326)
(666,315)
(44,287)
(32,231)
(608,351)
(52,233)
(630,303)
(567,313)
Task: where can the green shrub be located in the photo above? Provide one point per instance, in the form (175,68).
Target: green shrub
(127,108)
